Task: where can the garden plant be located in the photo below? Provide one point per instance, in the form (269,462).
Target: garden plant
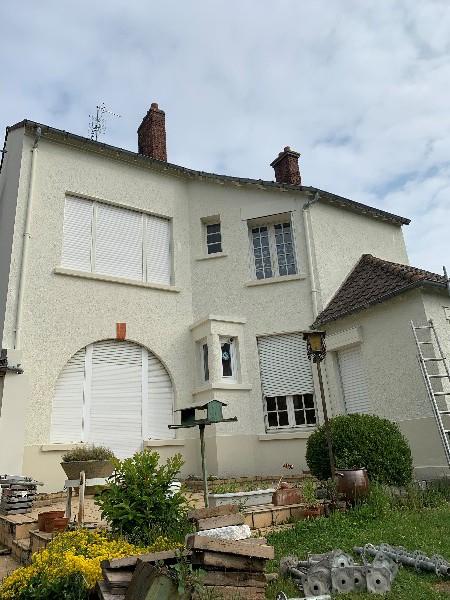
(138,502)
(361,440)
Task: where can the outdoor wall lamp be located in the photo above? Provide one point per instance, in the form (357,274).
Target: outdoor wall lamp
(316,350)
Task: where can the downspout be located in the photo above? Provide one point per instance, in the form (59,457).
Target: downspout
(315,291)
(447,280)
(26,238)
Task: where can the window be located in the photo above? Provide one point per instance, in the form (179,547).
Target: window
(213,238)
(353,381)
(204,361)
(229,363)
(273,250)
(114,394)
(287,384)
(109,240)
(290,411)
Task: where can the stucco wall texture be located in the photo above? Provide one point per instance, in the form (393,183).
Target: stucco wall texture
(63,313)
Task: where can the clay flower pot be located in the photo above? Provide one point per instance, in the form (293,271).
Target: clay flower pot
(313,511)
(93,468)
(56,524)
(49,515)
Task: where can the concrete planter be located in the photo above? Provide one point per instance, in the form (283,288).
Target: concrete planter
(251,498)
(93,468)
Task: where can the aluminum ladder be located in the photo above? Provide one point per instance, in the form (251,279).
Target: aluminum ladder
(424,362)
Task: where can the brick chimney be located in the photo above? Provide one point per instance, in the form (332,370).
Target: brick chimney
(286,167)
(152,134)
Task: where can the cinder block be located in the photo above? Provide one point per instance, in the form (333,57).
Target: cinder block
(281,516)
(248,520)
(262,519)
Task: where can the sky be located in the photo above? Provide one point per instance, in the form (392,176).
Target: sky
(360,88)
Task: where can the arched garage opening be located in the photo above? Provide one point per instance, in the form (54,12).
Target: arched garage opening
(112,393)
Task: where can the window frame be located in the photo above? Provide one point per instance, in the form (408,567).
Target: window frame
(233,378)
(270,224)
(145,218)
(291,412)
(207,245)
(201,344)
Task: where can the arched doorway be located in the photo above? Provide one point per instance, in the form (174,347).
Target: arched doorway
(112,393)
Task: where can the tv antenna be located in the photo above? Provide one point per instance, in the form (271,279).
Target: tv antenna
(97,123)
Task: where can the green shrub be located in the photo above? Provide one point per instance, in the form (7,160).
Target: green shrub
(138,503)
(362,441)
(88,453)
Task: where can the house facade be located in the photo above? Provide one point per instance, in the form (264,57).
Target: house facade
(131,288)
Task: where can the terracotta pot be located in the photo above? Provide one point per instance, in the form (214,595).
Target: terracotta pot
(92,468)
(56,524)
(48,515)
(352,483)
(286,496)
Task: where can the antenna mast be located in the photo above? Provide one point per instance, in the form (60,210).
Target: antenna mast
(97,123)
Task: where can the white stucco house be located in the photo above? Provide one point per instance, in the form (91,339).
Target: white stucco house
(131,287)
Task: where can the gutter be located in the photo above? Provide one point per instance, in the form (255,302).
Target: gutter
(315,290)
(26,238)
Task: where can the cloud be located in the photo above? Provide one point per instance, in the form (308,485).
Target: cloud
(359,88)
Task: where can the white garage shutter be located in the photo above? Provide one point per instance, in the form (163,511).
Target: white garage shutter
(157,245)
(77,234)
(354,385)
(160,401)
(118,242)
(116,397)
(285,368)
(67,413)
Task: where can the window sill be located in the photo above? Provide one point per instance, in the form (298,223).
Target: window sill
(279,279)
(60,447)
(111,279)
(160,443)
(215,255)
(292,434)
(222,386)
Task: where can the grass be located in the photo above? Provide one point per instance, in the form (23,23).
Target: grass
(427,529)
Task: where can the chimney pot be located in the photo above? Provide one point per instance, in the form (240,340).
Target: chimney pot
(152,134)
(286,167)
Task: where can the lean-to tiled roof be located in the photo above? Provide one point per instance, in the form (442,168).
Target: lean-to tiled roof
(372,281)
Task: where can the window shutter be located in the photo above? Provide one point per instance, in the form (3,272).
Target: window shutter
(160,401)
(67,411)
(116,397)
(285,368)
(157,248)
(76,253)
(353,381)
(118,242)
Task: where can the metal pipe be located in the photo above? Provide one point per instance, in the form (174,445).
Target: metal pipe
(204,472)
(438,566)
(26,237)
(326,422)
(315,291)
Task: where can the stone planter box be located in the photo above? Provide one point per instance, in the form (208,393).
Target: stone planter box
(252,498)
(93,468)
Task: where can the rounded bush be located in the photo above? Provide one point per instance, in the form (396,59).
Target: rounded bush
(362,441)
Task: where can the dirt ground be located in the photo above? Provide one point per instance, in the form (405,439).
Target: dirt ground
(7,565)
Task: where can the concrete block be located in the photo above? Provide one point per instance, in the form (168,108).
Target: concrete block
(262,519)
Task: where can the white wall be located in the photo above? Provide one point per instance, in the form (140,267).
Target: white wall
(340,237)
(396,389)
(9,183)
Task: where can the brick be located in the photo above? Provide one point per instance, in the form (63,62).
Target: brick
(152,134)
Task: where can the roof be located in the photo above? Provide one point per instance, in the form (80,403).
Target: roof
(374,280)
(315,194)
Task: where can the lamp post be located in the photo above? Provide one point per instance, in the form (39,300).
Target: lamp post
(316,349)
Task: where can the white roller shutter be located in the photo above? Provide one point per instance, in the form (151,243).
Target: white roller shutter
(157,248)
(354,385)
(116,397)
(159,401)
(67,411)
(118,242)
(76,253)
(285,368)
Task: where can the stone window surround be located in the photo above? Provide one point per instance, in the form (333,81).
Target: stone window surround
(213,329)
